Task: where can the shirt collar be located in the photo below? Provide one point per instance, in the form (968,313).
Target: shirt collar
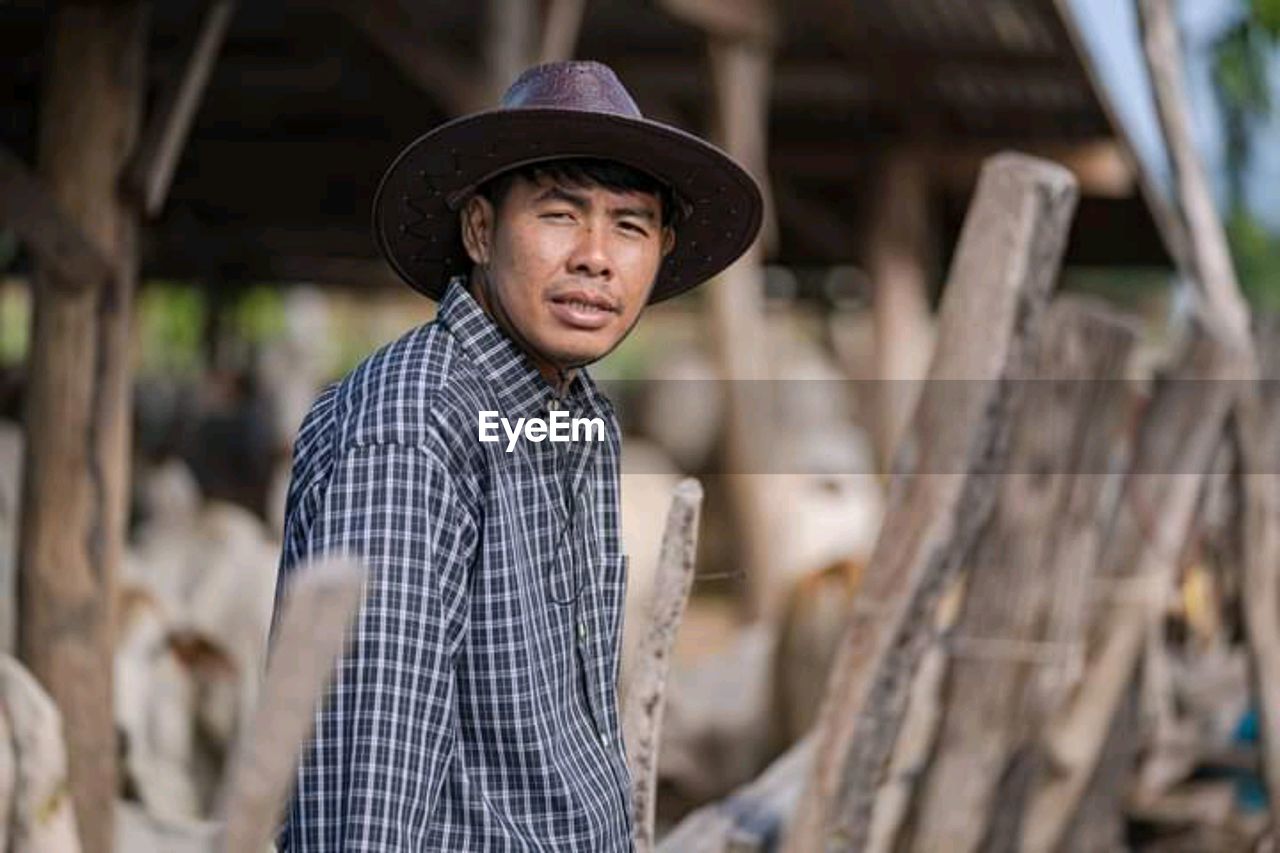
(520,386)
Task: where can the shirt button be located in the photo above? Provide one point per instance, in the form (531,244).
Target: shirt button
(604,740)
(582,630)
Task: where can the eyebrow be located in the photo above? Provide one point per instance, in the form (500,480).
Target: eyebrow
(579,201)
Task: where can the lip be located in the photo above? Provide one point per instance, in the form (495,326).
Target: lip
(598,315)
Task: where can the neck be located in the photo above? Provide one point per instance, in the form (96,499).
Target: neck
(545,367)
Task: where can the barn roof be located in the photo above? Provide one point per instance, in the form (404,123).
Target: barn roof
(309,102)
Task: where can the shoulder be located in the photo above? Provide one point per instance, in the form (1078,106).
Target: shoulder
(418,391)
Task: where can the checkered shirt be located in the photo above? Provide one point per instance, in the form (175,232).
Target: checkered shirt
(475,706)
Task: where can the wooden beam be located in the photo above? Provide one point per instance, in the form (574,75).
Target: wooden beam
(751,20)
(449,78)
(1099,165)
(28,208)
(77,421)
(1004,270)
(150,172)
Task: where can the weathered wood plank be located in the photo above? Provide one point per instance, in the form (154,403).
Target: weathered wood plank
(1020,639)
(751,817)
(1177,439)
(942,491)
(316,610)
(645,701)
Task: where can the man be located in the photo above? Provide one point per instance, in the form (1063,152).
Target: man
(475,707)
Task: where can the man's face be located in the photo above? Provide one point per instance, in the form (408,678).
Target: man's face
(572,265)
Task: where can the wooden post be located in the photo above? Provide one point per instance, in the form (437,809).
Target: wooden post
(510,42)
(75,490)
(1004,270)
(898,262)
(1019,643)
(315,614)
(645,701)
(735,305)
(560,30)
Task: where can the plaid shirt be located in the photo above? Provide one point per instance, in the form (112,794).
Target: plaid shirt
(475,707)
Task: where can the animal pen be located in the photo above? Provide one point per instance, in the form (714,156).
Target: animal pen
(1013,668)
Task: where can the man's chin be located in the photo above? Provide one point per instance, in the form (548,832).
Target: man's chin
(579,355)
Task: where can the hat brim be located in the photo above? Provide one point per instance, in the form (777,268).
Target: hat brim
(415,219)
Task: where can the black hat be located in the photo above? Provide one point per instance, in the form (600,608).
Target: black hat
(554,111)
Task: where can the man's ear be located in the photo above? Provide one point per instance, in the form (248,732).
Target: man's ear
(476,219)
(668,239)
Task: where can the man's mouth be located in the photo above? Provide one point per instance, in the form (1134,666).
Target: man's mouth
(583,309)
(584,300)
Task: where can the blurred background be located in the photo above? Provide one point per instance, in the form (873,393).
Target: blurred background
(222,157)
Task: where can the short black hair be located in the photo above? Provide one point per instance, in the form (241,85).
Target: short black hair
(582,172)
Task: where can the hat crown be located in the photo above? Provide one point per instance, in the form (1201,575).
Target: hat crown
(572,85)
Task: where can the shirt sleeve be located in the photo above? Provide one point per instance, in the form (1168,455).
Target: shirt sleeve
(371,773)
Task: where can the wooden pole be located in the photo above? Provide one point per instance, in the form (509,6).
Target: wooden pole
(77,419)
(645,701)
(560,30)
(1224,309)
(150,172)
(1226,314)
(735,304)
(898,256)
(1004,270)
(510,41)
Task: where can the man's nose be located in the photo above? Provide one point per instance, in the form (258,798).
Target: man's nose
(591,254)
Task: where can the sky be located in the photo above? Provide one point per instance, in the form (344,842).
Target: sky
(1110,29)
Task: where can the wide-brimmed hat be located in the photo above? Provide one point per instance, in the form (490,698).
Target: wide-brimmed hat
(553,111)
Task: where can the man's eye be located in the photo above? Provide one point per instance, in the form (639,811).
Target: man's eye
(631,226)
(556,214)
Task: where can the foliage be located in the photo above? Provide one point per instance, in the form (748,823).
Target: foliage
(1257,257)
(15,323)
(258,315)
(171,318)
(1241,55)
